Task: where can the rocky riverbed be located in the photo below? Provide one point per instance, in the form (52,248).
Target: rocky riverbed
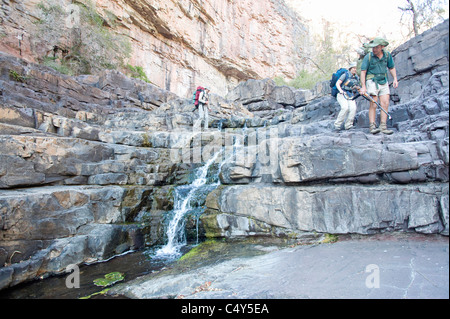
(391,266)
(386,266)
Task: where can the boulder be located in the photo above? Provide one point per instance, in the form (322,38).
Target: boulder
(267,100)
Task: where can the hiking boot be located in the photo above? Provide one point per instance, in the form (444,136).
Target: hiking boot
(374,129)
(383,129)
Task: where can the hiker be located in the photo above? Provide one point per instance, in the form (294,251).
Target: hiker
(362,52)
(346,85)
(374,81)
(203,107)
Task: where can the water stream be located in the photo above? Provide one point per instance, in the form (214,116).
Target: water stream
(184,203)
(189,198)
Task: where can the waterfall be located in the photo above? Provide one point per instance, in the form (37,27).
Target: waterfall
(184,196)
(187,198)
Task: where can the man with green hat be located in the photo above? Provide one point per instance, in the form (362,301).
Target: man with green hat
(374,81)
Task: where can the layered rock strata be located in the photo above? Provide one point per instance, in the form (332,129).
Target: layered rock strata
(88,165)
(182,44)
(359,183)
(303,178)
(82,161)
(419,58)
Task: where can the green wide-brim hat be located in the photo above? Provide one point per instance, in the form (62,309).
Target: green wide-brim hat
(376,42)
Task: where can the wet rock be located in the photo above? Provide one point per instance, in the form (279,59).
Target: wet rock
(329,209)
(302,272)
(44,230)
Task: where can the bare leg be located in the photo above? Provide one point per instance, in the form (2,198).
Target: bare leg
(373,110)
(373,116)
(384,102)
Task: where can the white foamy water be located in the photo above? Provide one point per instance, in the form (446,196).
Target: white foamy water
(175,230)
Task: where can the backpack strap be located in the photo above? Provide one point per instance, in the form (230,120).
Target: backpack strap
(377,77)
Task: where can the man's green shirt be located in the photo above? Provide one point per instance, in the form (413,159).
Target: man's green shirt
(377,68)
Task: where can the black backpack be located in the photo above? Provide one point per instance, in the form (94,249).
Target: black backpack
(335,78)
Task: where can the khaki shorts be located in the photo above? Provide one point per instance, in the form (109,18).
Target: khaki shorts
(371,87)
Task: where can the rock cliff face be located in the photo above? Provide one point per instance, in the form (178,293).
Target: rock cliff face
(418,59)
(300,177)
(183,44)
(88,164)
(81,159)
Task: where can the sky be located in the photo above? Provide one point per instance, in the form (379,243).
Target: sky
(358,16)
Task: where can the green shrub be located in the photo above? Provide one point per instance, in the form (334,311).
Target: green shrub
(307,80)
(321,57)
(304,80)
(137,72)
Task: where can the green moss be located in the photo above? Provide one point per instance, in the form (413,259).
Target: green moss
(329,239)
(17,77)
(146,140)
(202,250)
(109,279)
(103,292)
(210,225)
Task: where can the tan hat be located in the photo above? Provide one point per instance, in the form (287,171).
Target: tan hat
(352,65)
(376,42)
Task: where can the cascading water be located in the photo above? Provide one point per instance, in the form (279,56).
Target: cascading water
(185,196)
(188,197)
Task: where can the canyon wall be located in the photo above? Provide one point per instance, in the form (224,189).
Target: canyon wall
(182,44)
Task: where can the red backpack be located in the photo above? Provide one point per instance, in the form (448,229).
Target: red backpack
(196,95)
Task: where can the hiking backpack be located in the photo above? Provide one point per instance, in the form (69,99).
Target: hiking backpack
(335,78)
(196,95)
